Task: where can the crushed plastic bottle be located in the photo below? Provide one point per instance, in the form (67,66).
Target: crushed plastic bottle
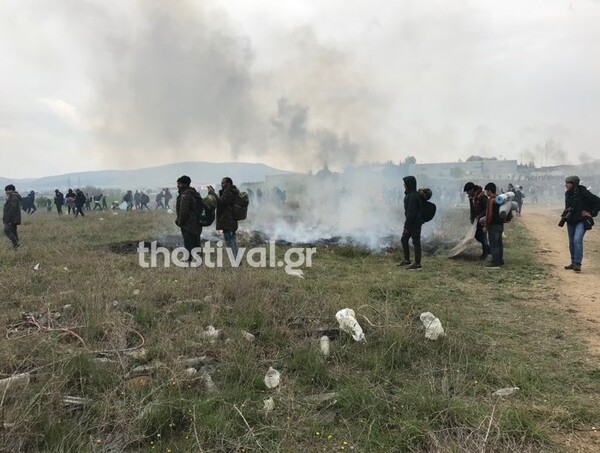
(349,324)
(433,326)
(272,378)
(507,391)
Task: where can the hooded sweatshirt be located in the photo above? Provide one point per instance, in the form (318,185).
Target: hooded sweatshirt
(478,203)
(412,204)
(12,209)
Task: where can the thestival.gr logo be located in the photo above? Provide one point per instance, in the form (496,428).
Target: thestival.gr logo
(213,256)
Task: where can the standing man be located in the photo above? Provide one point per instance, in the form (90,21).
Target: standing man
(225,219)
(412,223)
(186,207)
(494,226)
(12,215)
(478,205)
(580,206)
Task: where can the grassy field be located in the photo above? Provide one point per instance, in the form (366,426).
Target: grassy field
(89,316)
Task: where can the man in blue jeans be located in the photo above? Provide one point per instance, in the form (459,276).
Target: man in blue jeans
(494,226)
(580,206)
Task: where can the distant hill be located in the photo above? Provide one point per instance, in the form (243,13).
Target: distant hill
(154,177)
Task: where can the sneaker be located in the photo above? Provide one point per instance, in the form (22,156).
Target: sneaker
(570,267)
(403,263)
(577,267)
(414,267)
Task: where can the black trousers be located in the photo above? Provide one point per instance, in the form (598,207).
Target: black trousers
(190,241)
(415,234)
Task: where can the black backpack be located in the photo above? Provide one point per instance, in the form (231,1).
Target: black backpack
(427,207)
(206,213)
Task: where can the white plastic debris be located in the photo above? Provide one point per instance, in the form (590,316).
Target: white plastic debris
(191,371)
(248,336)
(295,273)
(36,267)
(210,385)
(211,333)
(349,324)
(170,211)
(136,292)
(67,307)
(272,378)
(66,269)
(324,344)
(269,405)
(506,391)
(433,326)
(15,381)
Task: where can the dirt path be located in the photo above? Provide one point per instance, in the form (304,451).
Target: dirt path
(579,292)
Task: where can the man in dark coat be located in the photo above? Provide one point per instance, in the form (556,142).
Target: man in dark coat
(168,198)
(225,219)
(59,201)
(12,214)
(580,206)
(412,223)
(478,205)
(186,207)
(79,202)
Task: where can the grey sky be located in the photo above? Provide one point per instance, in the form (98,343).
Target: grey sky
(95,84)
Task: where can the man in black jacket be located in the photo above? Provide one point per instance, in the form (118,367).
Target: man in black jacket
(580,206)
(412,223)
(187,206)
(12,214)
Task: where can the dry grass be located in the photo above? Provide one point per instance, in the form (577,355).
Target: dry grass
(397,392)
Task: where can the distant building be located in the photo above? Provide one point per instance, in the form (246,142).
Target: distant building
(494,168)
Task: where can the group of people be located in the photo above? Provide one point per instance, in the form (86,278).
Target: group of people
(581,206)
(77,201)
(189,204)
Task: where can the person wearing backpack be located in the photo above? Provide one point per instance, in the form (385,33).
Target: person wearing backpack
(186,207)
(412,223)
(478,206)
(226,220)
(580,206)
(494,227)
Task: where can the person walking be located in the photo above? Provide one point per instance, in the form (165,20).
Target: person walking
(478,205)
(79,202)
(581,206)
(412,223)
(59,201)
(11,217)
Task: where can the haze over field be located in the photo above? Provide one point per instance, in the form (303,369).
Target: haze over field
(94,85)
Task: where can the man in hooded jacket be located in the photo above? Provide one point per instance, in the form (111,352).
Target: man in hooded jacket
(12,214)
(412,223)
(580,206)
(187,205)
